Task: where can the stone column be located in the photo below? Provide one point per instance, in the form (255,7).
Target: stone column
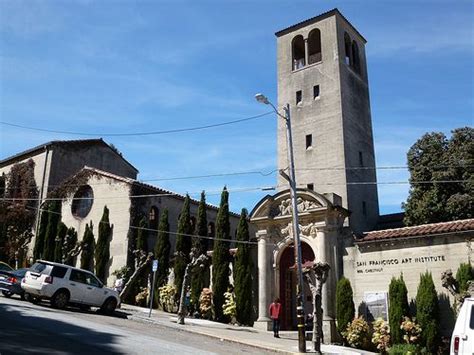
(263,276)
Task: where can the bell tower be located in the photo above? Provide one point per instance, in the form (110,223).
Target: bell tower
(322,74)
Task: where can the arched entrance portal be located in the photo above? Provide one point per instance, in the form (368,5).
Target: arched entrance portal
(288,281)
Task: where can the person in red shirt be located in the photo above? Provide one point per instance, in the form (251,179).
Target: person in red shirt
(275,310)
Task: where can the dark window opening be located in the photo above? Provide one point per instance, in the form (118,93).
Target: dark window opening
(471,321)
(315,91)
(310,187)
(314,47)
(347,49)
(153,218)
(299,96)
(361,159)
(364,208)
(355,57)
(309,141)
(298,52)
(58,271)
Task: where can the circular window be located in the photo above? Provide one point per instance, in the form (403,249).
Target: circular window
(82,201)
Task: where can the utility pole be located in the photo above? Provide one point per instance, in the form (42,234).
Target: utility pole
(296,226)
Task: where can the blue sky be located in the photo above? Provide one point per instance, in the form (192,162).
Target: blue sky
(126,66)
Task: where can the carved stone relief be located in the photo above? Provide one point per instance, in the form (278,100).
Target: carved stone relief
(302,206)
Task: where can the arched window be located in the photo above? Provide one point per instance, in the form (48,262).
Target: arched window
(314,46)
(298,51)
(347,49)
(153,218)
(355,57)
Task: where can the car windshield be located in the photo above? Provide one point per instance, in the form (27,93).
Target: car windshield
(5,267)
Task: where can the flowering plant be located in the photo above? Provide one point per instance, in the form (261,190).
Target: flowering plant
(412,330)
(381,335)
(357,333)
(141,297)
(229,307)
(167,295)
(205,303)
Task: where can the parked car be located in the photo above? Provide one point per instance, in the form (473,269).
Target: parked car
(462,340)
(5,267)
(10,283)
(63,284)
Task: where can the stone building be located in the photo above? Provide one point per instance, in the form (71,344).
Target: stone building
(323,77)
(91,174)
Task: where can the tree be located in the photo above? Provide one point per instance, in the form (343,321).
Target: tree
(398,308)
(69,245)
(345,310)
(183,245)
(58,243)
(51,230)
(427,312)
(435,158)
(142,235)
(41,232)
(162,251)
(87,255)
(464,274)
(220,257)
(243,273)
(102,250)
(198,279)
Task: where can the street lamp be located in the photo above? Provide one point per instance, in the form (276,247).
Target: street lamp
(296,227)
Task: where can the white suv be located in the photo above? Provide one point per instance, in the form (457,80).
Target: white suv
(64,284)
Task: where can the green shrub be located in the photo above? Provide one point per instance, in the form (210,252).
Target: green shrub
(397,307)
(427,312)
(464,274)
(404,349)
(345,310)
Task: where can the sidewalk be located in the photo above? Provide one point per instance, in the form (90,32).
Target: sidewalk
(287,343)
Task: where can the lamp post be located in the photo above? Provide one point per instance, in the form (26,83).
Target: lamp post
(296,227)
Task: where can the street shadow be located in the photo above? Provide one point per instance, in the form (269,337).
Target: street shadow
(39,335)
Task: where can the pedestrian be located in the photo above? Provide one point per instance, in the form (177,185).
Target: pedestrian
(274,311)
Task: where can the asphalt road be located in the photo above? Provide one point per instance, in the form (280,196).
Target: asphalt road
(40,329)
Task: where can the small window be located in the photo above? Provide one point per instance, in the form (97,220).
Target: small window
(310,187)
(361,159)
(38,267)
(471,321)
(58,271)
(309,141)
(299,96)
(92,280)
(316,92)
(364,208)
(77,276)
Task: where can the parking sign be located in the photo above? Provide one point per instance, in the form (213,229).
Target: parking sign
(155,265)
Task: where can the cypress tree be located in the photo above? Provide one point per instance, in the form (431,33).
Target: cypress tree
(51,230)
(183,245)
(141,236)
(464,274)
(243,273)
(220,257)
(87,255)
(427,312)
(345,310)
(40,233)
(70,241)
(102,250)
(198,279)
(58,247)
(397,308)
(162,249)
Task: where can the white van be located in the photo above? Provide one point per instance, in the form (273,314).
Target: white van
(462,340)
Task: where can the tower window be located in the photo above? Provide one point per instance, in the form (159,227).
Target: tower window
(364,208)
(315,91)
(309,141)
(355,57)
(347,49)
(298,52)
(361,159)
(299,96)
(310,187)
(314,46)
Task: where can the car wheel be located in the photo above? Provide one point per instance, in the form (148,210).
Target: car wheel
(31,298)
(7,294)
(109,306)
(60,299)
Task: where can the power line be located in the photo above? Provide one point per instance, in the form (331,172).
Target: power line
(177,130)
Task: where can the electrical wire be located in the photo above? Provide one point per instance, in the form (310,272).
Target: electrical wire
(177,130)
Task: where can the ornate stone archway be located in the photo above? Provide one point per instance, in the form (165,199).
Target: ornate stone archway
(321,220)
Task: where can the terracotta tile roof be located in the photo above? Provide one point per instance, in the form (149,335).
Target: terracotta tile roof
(464,225)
